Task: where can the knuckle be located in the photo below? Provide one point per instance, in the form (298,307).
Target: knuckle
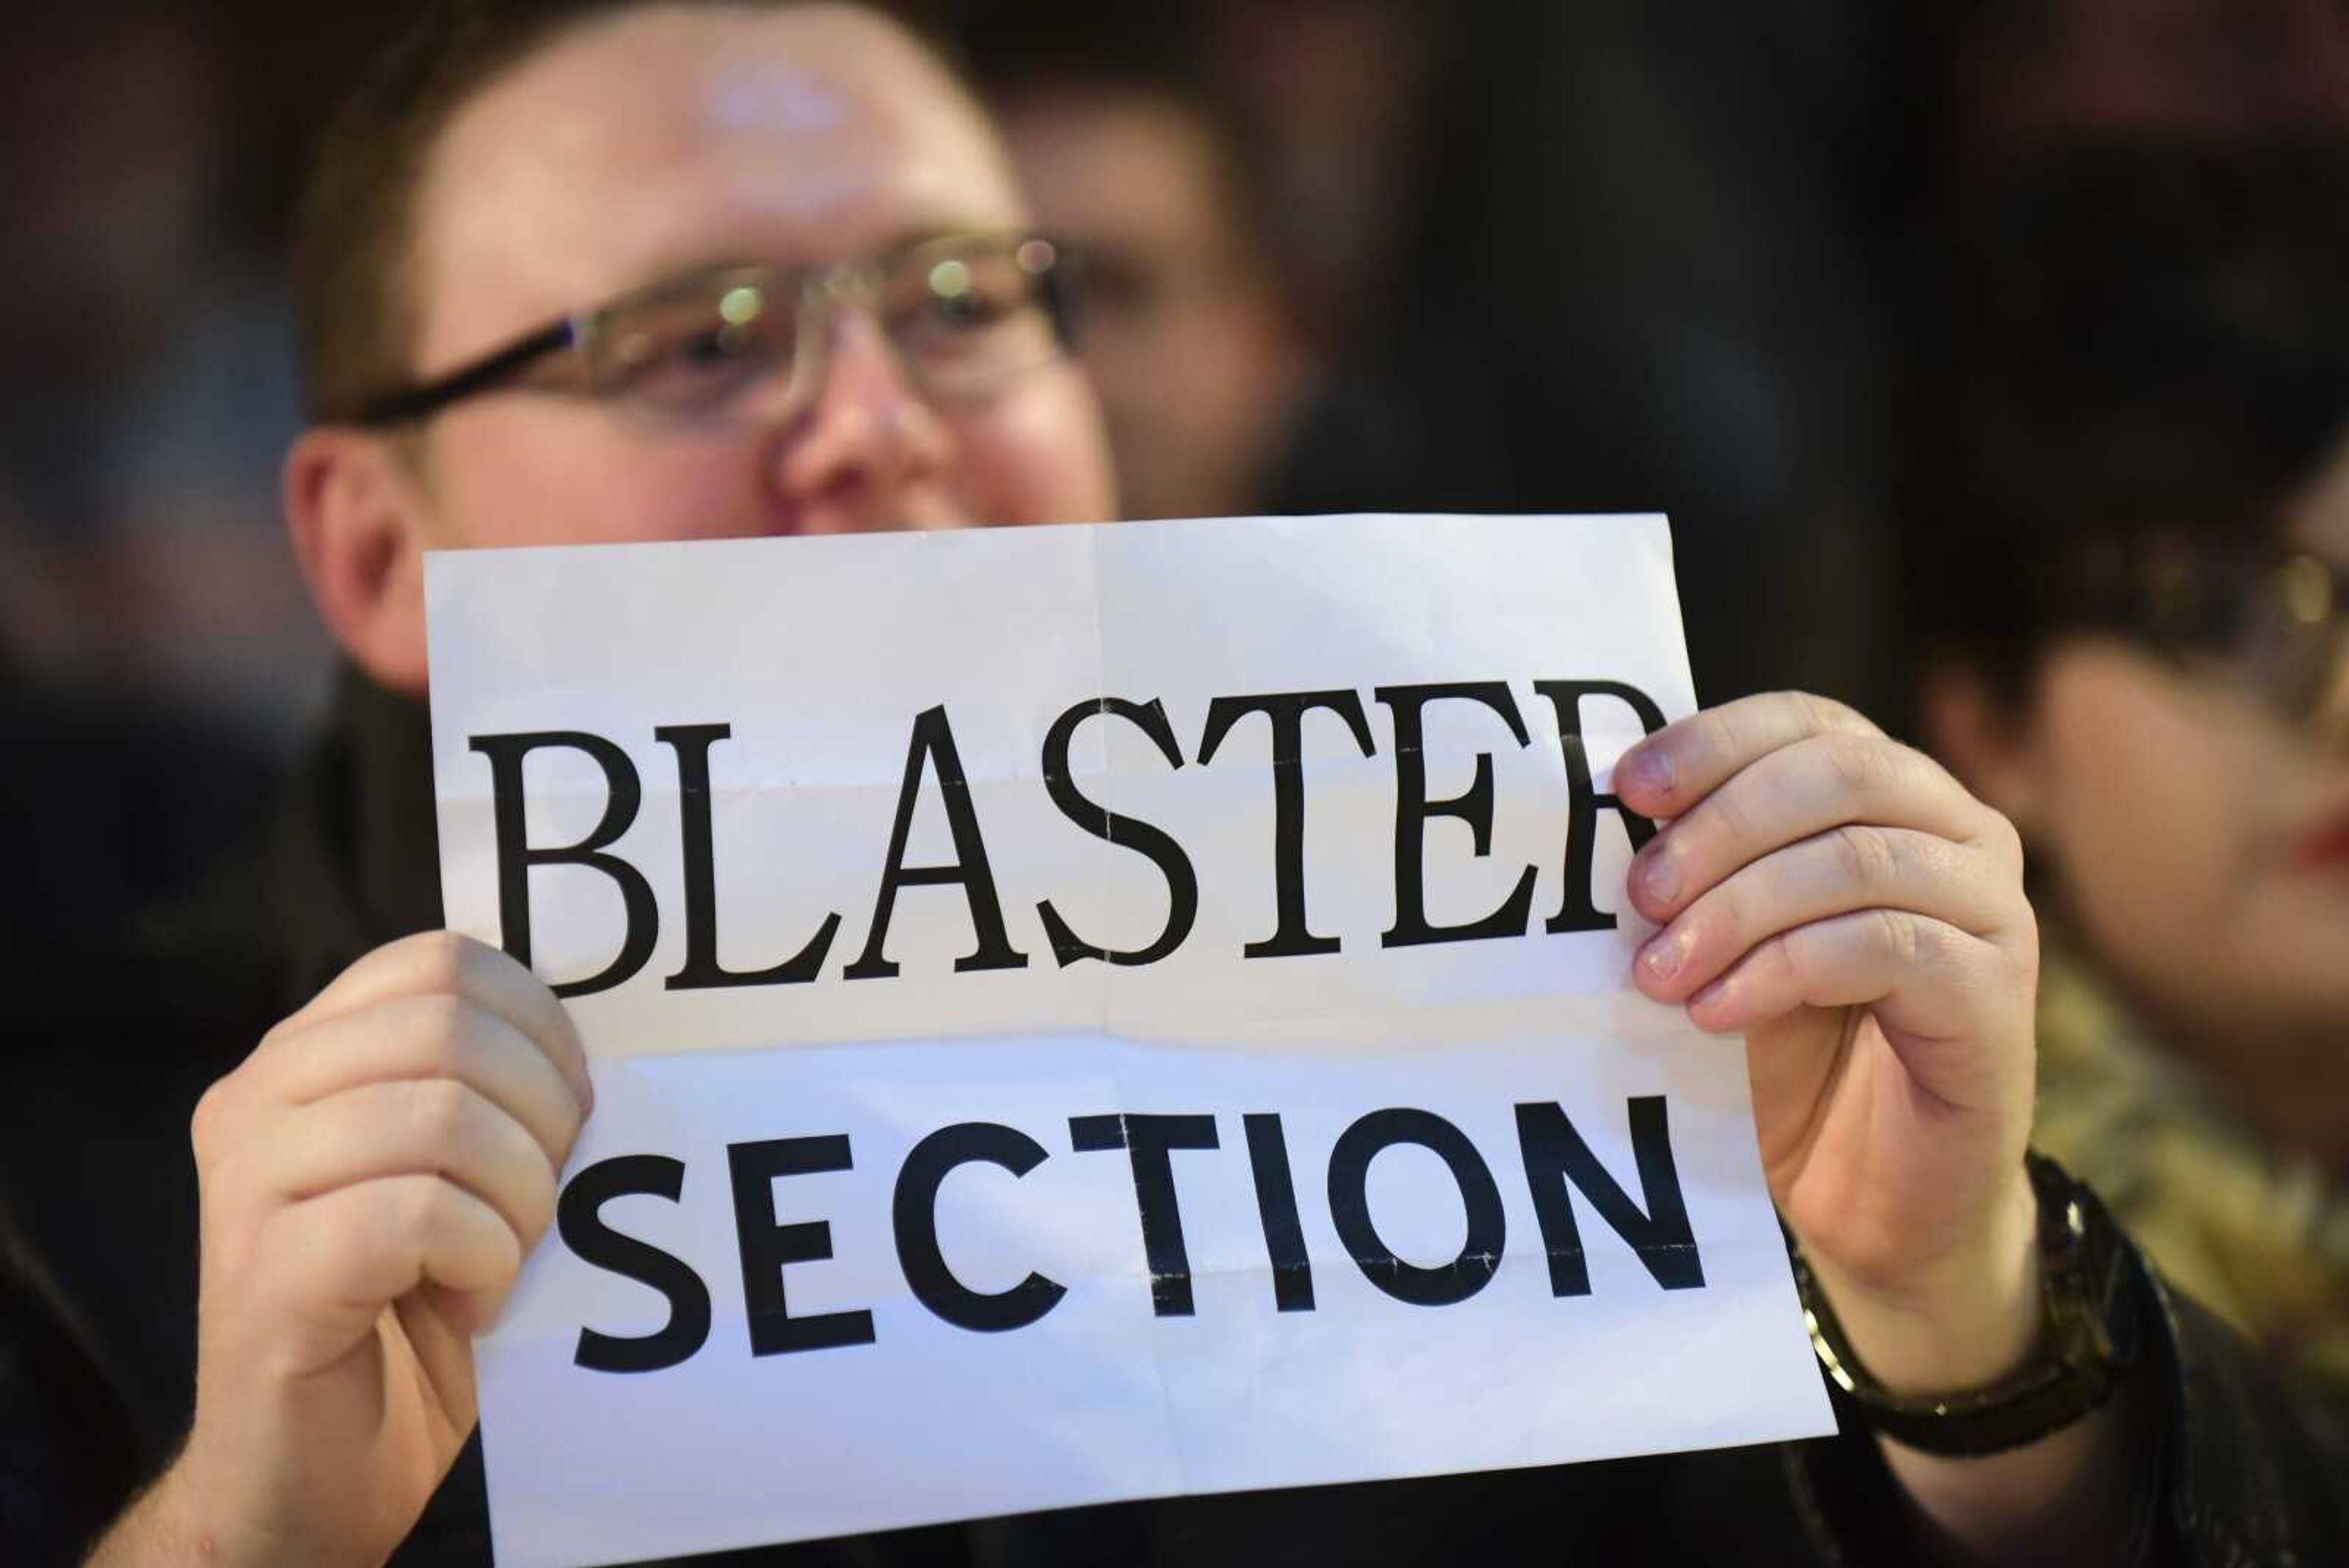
(279,1041)
(404,1236)
(442,960)
(572,1118)
(446,1039)
(420,1208)
(1862,764)
(1723,917)
(2001,837)
(538,1203)
(444,1023)
(1866,856)
(501,1263)
(1821,715)
(448,1053)
(1724,822)
(1923,764)
(204,1125)
(1792,956)
(1927,773)
(1715,733)
(443,1110)
(1898,934)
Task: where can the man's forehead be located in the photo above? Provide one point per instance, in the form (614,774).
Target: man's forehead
(674,136)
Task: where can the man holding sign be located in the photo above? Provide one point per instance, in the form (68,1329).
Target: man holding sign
(664,271)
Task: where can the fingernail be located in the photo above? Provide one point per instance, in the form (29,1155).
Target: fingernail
(1650,768)
(1664,953)
(1659,875)
(1711,993)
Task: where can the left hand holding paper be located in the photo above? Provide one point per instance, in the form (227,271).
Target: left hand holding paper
(1844,902)
(372,1176)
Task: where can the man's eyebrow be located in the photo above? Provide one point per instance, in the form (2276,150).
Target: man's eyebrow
(904,237)
(908,237)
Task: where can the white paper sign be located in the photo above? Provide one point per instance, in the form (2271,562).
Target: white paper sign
(1082,1013)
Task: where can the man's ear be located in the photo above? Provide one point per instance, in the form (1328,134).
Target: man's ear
(1988,742)
(355,509)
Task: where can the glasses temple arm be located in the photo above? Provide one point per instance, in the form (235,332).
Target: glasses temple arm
(497,365)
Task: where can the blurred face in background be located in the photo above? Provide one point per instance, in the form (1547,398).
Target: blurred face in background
(2204,67)
(2199,841)
(1186,337)
(638,149)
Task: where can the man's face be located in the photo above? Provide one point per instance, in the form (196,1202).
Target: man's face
(666,139)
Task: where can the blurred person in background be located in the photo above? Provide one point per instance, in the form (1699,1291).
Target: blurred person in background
(158,656)
(1190,337)
(2209,70)
(2129,539)
(150,386)
(1605,257)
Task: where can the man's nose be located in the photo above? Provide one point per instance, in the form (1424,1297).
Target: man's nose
(869,454)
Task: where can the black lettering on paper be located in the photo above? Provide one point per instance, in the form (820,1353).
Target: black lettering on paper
(1285,711)
(579,1221)
(1555,1155)
(701,969)
(1275,1205)
(515,857)
(767,1246)
(914,1215)
(1350,1170)
(1147,1140)
(1578,913)
(1182,882)
(1412,810)
(933,746)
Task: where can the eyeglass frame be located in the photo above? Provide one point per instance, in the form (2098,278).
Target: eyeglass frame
(820,291)
(2152,590)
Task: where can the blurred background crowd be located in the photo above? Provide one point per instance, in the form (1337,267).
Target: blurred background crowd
(1946,333)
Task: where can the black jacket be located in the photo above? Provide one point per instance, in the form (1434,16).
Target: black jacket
(97,1267)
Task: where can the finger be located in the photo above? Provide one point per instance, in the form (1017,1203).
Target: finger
(433,962)
(1687,759)
(344,1256)
(431,1127)
(1928,980)
(1845,869)
(1799,790)
(440,1324)
(410,1039)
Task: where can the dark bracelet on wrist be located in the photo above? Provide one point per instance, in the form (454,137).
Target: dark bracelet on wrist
(2089,1340)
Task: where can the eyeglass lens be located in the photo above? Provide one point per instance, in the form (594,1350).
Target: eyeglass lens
(963,315)
(2284,631)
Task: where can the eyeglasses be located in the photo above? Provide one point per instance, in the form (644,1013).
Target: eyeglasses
(2278,627)
(965,313)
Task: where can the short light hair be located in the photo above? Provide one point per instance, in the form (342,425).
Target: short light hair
(357,312)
